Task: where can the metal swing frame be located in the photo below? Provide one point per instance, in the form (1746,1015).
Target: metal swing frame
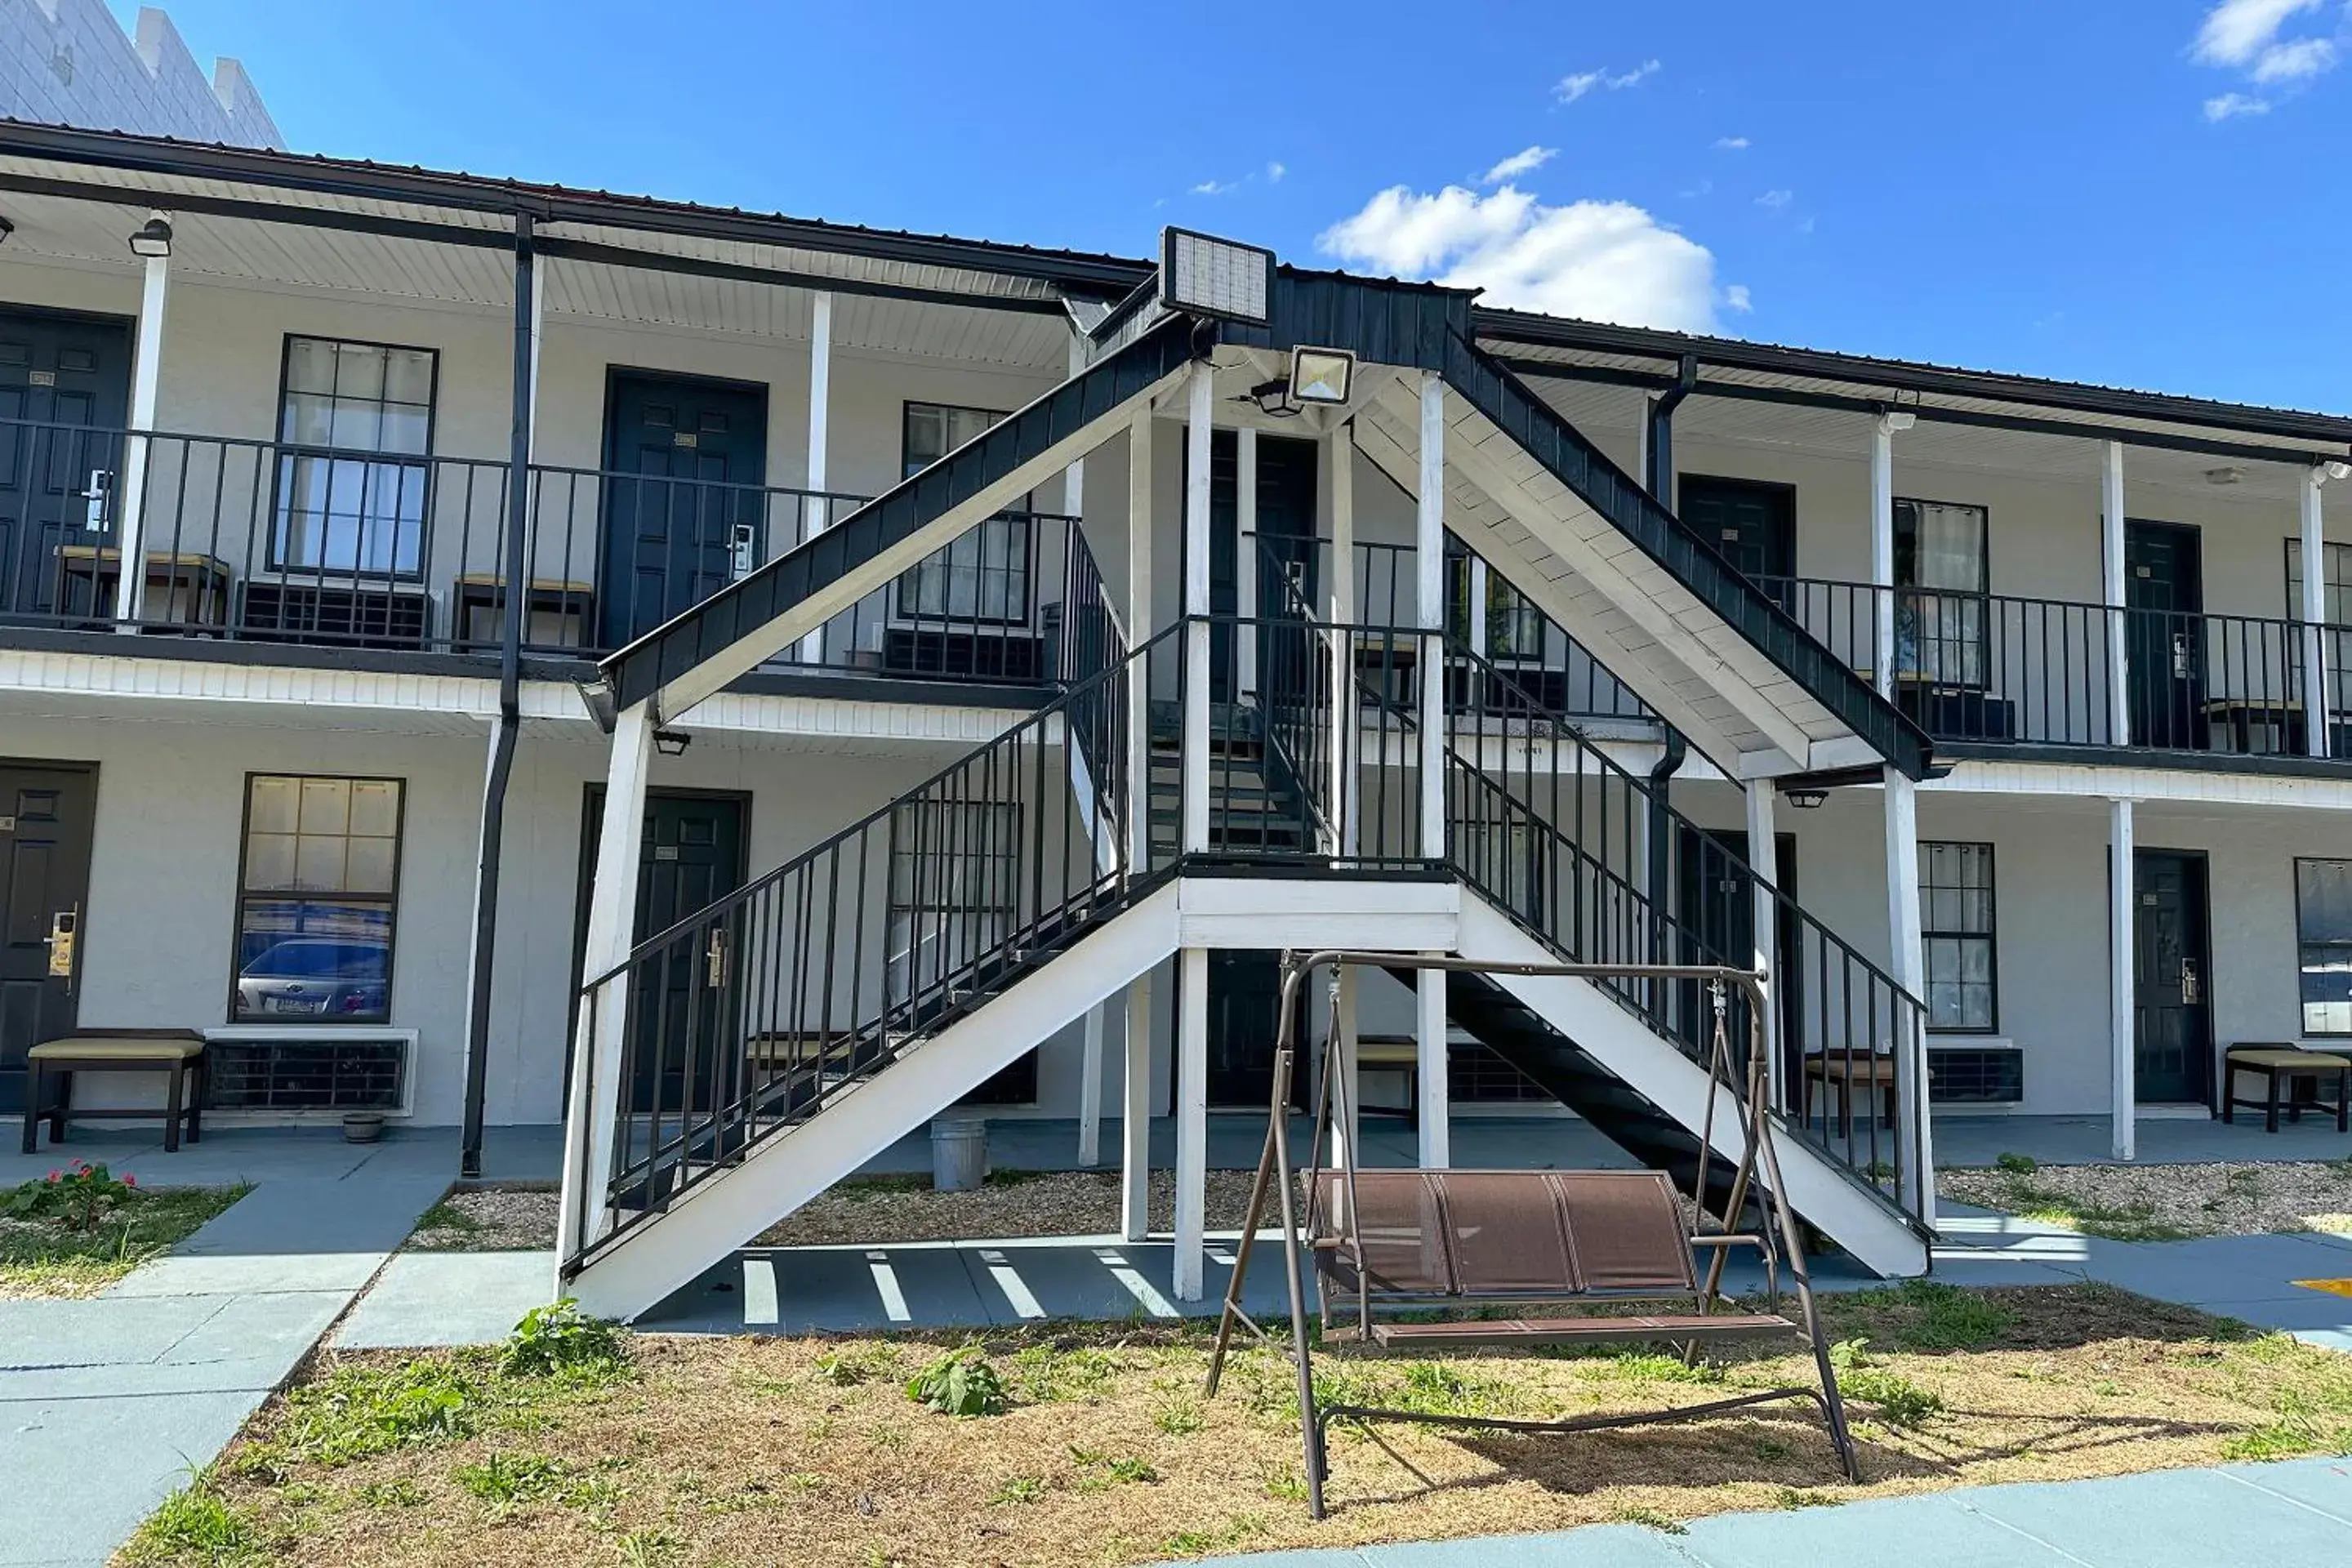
(1775,1235)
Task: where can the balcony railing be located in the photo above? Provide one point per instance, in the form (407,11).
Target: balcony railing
(1995,668)
(270,542)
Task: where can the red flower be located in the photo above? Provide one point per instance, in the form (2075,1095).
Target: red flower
(57,1175)
(128,1179)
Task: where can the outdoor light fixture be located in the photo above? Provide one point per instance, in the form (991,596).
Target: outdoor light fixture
(1321,376)
(153,239)
(1805,799)
(1897,420)
(672,743)
(2226,474)
(1211,277)
(2337,469)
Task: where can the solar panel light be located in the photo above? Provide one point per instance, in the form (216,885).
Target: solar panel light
(153,237)
(1211,277)
(1321,376)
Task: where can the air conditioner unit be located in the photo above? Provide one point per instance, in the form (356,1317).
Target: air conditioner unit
(294,1071)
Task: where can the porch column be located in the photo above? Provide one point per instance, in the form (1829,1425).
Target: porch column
(602,1029)
(1339,610)
(815,518)
(1909,970)
(1339,1057)
(1429,592)
(1191,1120)
(2315,715)
(1199,407)
(1135,1114)
(1245,561)
(1882,548)
(1476,631)
(1764,858)
(1139,632)
(2110,558)
(131,501)
(1090,1090)
(2123,1072)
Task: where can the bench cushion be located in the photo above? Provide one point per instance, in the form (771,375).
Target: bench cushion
(1486,1234)
(2286,1057)
(1584,1330)
(161,1047)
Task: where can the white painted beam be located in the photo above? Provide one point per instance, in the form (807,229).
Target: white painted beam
(1339,609)
(1139,632)
(815,516)
(1198,411)
(1882,553)
(2123,1058)
(2111,575)
(1909,969)
(1429,604)
(131,499)
(1764,859)
(1135,1113)
(1435,1095)
(1191,1120)
(2317,715)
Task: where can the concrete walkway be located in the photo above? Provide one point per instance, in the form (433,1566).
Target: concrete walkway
(2239,1516)
(108,1405)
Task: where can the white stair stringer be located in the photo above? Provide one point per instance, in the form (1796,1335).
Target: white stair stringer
(788,1168)
(1825,1195)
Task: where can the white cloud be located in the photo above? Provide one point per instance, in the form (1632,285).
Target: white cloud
(1526,161)
(1273,173)
(1213,187)
(1775,199)
(1704,188)
(1570,88)
(2292,62)
(1607,261)
(2230,105)
(2236,32)
(1735,298)
(1731,143)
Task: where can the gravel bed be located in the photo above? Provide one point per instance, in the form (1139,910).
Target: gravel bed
(878,1209)
(2166,1202)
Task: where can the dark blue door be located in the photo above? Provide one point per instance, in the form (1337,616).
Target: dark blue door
(64,388)
(684,511)
(2163,591)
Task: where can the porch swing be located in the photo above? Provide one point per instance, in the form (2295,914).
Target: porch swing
(1390,1241)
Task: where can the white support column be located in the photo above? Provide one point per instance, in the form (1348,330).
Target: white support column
(1191,1120)
(131,499)
(1347,1132)
(1245,560)
(1477,610)
(611,909)
(1090,1090)
(2123,1070)
(1135,1114)
(1139,632)
(2317,717)
(1339,610)
(1881,553)
(1433,1091)
(815,516)
(2111,575)
(1199,406)
(1909,970)
(1764,858)
(1429,592)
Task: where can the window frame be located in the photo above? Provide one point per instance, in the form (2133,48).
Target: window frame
(288,449)
(2302,944)
(1023,518)
(2330,549)
(1990,936)
(1917,593)
(241,894)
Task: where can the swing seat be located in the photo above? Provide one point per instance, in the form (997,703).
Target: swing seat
(1484,1238)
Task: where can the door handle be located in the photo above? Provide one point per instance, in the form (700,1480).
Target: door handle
(64,927)
(2189,983)
(743,547)
(100,494)
(2180,656)
(714,959)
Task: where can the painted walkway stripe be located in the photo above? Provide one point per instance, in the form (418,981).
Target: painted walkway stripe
(886,1280)
(1137,1285)
(759,1291)
(1010,1283)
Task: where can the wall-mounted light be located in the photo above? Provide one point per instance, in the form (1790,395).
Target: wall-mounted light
(2337,469)
(2226,474)
(672,743)
(153,239)
(1895,421)
(1213,276)
(1321,375)
(1805,799)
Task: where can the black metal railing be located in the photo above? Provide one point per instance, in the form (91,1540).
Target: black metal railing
(277,542)
(1997,667)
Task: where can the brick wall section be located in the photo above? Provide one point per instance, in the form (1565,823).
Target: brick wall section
(68,62)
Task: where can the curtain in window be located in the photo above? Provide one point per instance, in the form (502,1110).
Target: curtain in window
(2322,909)
(1940,623)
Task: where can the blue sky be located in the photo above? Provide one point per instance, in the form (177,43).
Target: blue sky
(2135,192)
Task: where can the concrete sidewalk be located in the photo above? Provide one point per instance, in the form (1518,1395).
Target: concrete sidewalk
(108,1405)
(2239,1516)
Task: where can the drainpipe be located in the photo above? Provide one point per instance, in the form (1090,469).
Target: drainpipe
(1661,478)
(1657,883)
(509,718)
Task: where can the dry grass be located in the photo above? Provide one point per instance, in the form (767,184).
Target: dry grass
(2164,1203)
(46,1258)
(719,1452)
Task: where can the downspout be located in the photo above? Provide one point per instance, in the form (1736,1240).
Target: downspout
(1661,477)
(1657,883)
(509,718)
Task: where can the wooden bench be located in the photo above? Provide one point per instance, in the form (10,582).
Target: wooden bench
(179,1054)
(1531,1239)
(1847,1074)
(1393,1053)
(2281,1063)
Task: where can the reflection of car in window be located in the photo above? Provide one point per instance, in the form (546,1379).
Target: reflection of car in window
(313,977)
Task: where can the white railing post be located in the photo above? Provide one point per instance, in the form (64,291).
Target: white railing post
(2116,594)
(2123,1072)
(2318,719)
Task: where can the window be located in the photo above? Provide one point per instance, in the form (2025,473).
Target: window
(2334,577)
(1956,923)
(315,894)
(1939,625)
(351,491)
(958,857)
(2323,931)
(1515,628)
(983,575)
